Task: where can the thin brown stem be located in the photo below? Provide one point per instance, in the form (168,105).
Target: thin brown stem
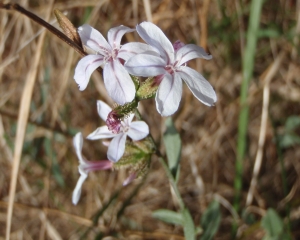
(55,31)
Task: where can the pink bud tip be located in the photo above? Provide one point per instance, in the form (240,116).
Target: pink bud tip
(128,180)
(113,122)
(177,45)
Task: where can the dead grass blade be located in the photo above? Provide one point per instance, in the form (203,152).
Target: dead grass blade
(147,8)
(22,124)
(266,78)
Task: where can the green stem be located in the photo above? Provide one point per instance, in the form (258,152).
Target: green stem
(283,175)
(165,166)
(172,182)
(170,176)
(248,64)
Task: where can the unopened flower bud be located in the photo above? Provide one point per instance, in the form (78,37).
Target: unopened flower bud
(113,122)
(177,45)
(148,88)
(136,159)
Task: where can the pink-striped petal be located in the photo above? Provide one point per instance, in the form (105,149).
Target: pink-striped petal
(93,39)
(145,65)
(199,86)
(169,94)
(155,37)
(118,83)
(131,49)
(84,69)
(189,52)
(115,35)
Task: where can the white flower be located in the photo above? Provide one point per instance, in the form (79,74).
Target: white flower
(111,54)
(170,67)
(135,130)
(85,166)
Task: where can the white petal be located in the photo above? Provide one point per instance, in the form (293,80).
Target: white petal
(84,69)
(118,83)
(93,39)
(155,37)
(103,109)
(77,143)
(100,133)
(199,86)
(190,51)
(116,147)
(145,65)
(128,119)
(138,130)
(115,35)
(77,190)
(169,94)
(131,49)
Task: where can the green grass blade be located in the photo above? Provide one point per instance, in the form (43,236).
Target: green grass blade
(248,64)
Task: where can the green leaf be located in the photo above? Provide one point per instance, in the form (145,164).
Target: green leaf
(172,143)
(272,224)
(292,123)
(270,33)
(168,216)
(188,225)
(210,220)
(288,140)
(55,166)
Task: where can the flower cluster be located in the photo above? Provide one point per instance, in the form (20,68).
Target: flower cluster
(158,58)
(165,65)
(137,130)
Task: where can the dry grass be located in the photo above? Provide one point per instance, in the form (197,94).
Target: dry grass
(43,208)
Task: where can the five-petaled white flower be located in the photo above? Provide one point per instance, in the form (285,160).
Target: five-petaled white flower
(135,130)
(85,166)
(111,55)
(169,68)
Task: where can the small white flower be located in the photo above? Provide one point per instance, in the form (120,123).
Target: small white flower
(111,55)
(169,68)
(85,166)
(135,130)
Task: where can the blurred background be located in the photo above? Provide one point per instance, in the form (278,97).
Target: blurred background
(48,169)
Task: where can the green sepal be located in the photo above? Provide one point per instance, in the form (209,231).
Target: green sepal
(147,89)
(124,110)
(136,82)
(136,158)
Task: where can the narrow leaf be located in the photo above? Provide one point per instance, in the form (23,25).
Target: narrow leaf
(168,216)
(55,166)
(210,220)
(292,123)
(172,143)
(188,225)
(288,140)
(272,224)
